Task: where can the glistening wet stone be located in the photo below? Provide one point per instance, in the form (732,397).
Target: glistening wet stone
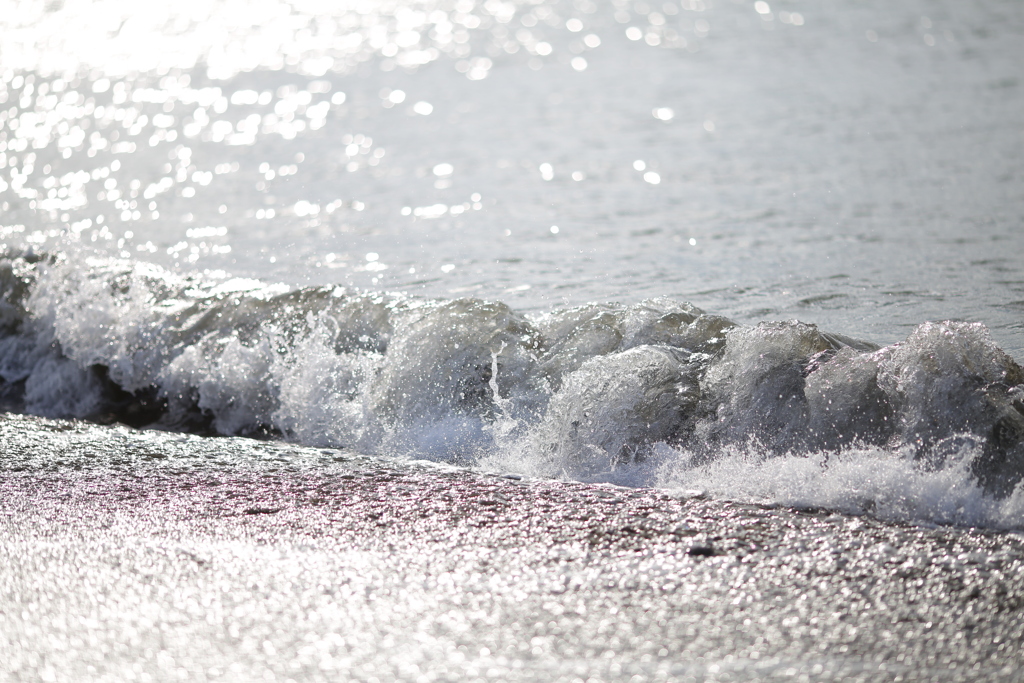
(115,565)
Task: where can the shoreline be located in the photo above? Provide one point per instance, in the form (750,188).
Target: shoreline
(155,556)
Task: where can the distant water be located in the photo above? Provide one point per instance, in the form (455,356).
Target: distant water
(534,237)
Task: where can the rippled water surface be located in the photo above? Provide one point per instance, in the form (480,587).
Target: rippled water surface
(858,166)
(177,182)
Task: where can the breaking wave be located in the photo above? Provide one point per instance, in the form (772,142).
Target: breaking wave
(655,393)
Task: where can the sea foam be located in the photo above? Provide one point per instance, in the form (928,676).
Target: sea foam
(658,393)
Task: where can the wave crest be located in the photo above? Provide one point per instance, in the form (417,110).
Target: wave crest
(658,392)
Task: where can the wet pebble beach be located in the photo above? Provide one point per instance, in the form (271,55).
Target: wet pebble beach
(149,557)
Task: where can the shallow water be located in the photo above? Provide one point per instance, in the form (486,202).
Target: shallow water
(288,220)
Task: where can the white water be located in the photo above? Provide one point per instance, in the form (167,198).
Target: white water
(653,394)
(856,167)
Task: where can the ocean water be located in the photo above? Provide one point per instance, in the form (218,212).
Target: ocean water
(567,240)
(758,254)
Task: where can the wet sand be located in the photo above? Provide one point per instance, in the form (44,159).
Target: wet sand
(151,556)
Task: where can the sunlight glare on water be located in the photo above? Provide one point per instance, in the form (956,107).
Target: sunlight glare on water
(824,164)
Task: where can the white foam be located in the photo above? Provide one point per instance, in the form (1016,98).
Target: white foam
(232,381)
(591,394)
(890,486)
(321,392)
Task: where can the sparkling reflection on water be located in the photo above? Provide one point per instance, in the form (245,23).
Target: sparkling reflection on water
(852,166)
